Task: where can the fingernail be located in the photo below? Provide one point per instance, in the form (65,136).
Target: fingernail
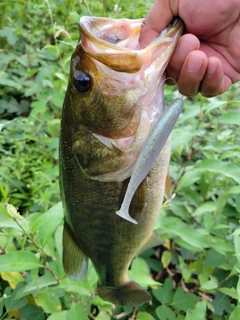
(211,68)
(194,64)
(183,50)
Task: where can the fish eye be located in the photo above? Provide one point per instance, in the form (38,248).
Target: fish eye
(81,81)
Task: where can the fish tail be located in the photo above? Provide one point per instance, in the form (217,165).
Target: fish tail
(130,294)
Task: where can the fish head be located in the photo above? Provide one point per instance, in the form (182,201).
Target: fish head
(115,93)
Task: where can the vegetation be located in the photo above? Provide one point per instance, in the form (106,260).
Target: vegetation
(195,274)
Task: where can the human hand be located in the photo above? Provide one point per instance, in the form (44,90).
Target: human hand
(207,57)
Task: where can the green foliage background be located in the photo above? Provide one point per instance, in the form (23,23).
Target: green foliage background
(195,275)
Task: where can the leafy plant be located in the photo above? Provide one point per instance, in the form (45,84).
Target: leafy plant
(195,274)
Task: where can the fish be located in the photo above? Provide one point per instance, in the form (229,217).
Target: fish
(115,132)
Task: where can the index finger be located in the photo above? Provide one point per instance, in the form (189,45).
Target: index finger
(159,16)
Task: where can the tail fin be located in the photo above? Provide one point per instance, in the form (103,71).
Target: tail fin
(130,294)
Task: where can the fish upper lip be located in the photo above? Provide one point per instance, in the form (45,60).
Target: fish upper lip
(98,35)
(86,27)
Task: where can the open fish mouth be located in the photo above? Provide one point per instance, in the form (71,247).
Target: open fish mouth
(102,37)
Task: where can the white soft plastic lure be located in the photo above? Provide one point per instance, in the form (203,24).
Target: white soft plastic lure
(149,154)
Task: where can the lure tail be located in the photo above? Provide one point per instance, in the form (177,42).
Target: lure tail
(130,294)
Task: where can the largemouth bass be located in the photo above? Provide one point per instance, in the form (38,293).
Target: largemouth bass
(113,104)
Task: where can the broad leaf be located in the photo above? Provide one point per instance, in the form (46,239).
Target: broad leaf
(165,313)
(184,301)
(19,261)
(77,312)
(31,311)
(226,169)
(165,293)
(198,313)
(62,315)
(144,316)
(221,303)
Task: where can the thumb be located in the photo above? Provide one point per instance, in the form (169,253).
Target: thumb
(159,16)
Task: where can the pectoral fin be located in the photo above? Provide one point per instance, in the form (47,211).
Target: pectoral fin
(75,262)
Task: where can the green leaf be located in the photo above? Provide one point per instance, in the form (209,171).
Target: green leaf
(235,315)
(144,316)
(139,264)
(185,271)
(207,206)
(184,301)
(236,239)
(82,287)
(62,315)
(189,113)
(77,312)
(198,313)
(214,258)
(142,278)
(221,245)
(212,104)
(226,169)
(238,289)
(53,215)
(190,177)
(221,303)
(47,223)
(49,301)
(10,34)
(164,294)
(166,258)
(102,304)
(12,303)
(165,313)
(236,232)
(192,238)
(234,190)
(5,81)
(1,305)
(231,292)
(181,136)
(7,221)
(230,117)
(46,232)
(210,284)
(31,311)
(41,282)
(140,273)
(2,124)
(19,261)
(103,315)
